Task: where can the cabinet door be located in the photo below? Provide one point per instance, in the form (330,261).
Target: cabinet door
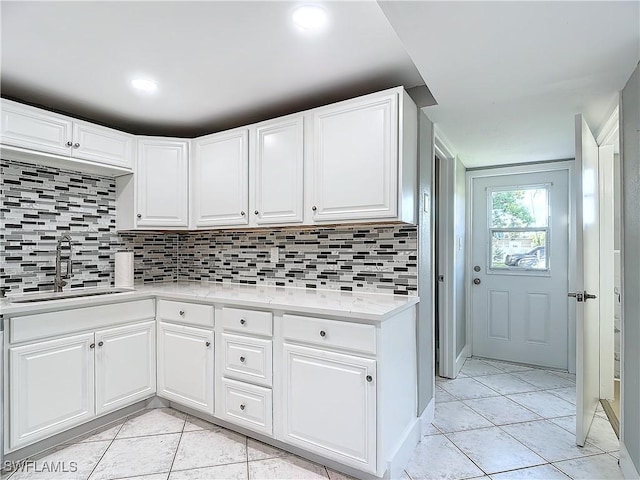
(125,365)
(355,160)
(330,405)
(161,185)
(101,144)
(28,127)
(277,169)
(221,179)
(185,366)
(50,387)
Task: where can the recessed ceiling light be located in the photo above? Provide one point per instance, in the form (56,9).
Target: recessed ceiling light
(144,85)
(310,18)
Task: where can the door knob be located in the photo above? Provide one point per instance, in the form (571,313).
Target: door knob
(477,281)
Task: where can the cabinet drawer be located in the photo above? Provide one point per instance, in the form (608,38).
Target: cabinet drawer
(246,405)
(248,359)
(185,312)
(247,321)
(318,331)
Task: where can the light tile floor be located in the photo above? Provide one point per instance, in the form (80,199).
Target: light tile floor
(497,420)
(504,421)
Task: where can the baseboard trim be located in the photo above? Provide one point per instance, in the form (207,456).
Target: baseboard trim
(399,460)
(629,471)
(461,359)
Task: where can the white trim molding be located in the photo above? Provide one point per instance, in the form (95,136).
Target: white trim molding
(629,471)
(442,145)
(609,132)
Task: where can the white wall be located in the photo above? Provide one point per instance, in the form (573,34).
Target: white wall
(630,154)
(460,283)
(425,320)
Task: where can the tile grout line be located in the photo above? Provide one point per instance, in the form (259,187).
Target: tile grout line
(175,454)
(108,447)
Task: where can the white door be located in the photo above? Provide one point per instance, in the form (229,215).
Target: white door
(101,144)
(162,170)
(125,365)
(330,405)
(519,259)
(355,160)
(221,179)
(277,172)
(185,366)
(587,280)
(50,387)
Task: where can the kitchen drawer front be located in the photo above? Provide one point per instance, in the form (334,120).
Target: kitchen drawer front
(70,320)
(248,322)
(248,359)
(247,405)
(185,312)
(354,337)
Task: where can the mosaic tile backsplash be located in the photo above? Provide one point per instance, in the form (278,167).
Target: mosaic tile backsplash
(38,204)
(41,203)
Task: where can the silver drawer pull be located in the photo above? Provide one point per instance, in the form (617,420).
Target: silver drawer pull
(242,321)
(208,344)
(323,333)
(181,312)
(242,406)
(242,359)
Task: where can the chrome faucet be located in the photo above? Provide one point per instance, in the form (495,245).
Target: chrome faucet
(60,278)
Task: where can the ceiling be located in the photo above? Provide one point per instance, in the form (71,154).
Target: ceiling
(508,77)
(218,64)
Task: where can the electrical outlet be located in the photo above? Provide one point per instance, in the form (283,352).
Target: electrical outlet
(274,255)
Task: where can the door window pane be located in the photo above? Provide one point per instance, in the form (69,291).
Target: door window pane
(522,250)
(520,208)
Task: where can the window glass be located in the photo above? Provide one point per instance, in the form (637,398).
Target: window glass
(519,228)
(526,207)
(519,250)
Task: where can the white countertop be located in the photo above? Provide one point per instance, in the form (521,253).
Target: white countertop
(365,306)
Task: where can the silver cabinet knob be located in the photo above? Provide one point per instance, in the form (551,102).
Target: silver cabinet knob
(208,344)
(477,281)
(181,312)
(314,208)
(139,215)
(256,212)
(93,345)
(242,406)
(476,268)
(69,144)
(323,333)
(242,359)
(369,378)
(100,344)
(242,321)
(242,213)
(76,145)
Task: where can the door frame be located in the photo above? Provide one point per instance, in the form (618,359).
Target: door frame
(448,364)
(537,167)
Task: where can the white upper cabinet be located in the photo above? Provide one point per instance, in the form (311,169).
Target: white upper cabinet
(361,164)
(101,144)
(220,180)
(42,131)
(29,127)
(161,182)
(277,172)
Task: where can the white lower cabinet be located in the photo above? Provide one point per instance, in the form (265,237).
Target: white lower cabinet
(125,365)
(51,387)
(185,366)
(330,405)
(247,405)
(57,384)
